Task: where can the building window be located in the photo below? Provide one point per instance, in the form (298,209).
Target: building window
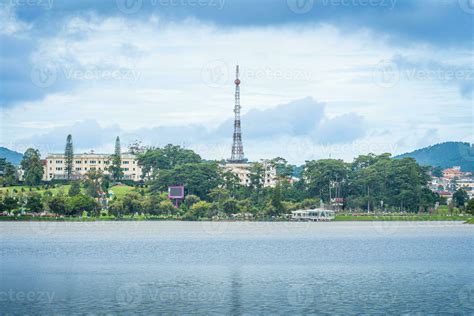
(92,161)
(50,161)
(78,161)
(59,168)
(59,161)
(125,162)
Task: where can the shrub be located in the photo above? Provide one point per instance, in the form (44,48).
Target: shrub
(34,203)
(80,203)
(470,207)
(57,205)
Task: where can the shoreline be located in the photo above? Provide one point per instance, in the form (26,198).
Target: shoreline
(341,218)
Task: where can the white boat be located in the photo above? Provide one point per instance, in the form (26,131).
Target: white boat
(315,215)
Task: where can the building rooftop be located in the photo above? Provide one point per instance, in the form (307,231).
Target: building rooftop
(89,154)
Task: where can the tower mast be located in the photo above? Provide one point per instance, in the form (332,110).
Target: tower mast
(237,147)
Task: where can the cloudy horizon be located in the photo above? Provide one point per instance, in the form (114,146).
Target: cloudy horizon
(319,78)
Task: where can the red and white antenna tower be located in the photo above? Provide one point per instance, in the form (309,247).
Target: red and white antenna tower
(237,147)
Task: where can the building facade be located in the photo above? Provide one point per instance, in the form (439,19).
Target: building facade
(55,166)
(454,172)
(243,171)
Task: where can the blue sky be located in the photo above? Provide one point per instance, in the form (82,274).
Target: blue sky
(319,77)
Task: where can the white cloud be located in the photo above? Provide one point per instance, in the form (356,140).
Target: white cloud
(9,24)
(152,75)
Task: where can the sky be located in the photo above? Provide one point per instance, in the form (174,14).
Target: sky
(319,78)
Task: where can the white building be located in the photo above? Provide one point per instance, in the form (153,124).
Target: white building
(243,170)
(315,215)
(55,166)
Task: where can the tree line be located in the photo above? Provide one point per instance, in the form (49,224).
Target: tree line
(369,183)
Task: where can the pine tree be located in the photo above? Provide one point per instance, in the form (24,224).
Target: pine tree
(116,167)
(75,188)
(69,157)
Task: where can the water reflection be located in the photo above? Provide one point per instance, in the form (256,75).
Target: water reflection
(178,268)
(235,291)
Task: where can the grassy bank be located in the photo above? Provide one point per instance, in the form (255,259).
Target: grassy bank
(117,190)
(401,218)
(340,218)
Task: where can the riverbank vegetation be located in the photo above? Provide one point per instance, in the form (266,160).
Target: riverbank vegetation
(371,184)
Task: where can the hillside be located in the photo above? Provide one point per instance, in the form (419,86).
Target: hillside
(11,156)
(445,155)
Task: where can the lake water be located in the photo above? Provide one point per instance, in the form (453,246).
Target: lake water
(236,268)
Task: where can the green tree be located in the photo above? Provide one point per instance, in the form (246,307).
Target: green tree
(199,210)
(231,182)
(34,203)
(69,157)
(460,197)
(57,204)
(278,207)
(92,183)
(218,195)
(32,167)
(105,183)
(80,203)
(437,172)
(319,175)
(198,178)
(132,203)
(75,188)
(116,162)
(8,174)
(190,200)
(166,158)
(229,206)
(10,203)
(470,207)
(283,169)
(167,207)
(257,175)
(116,208)
(151,203)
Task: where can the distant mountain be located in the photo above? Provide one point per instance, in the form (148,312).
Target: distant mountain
(445,155)
(11,156)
